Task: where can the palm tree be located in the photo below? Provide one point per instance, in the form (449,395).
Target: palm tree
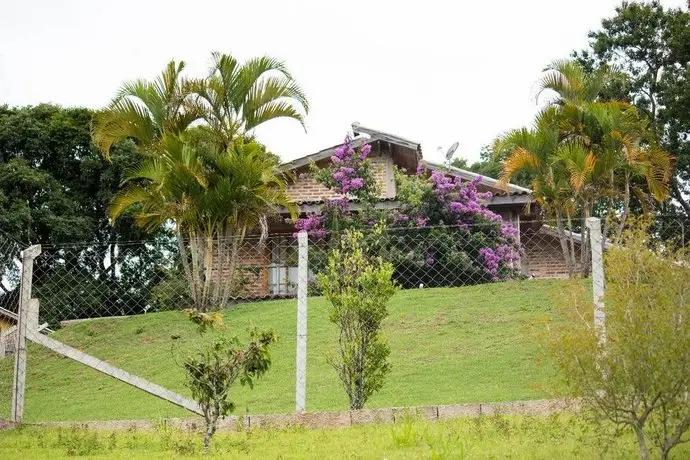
(233,100)
(537,152)
(147,110)
(214,198)
(201,169)
(236,98)
(601,147)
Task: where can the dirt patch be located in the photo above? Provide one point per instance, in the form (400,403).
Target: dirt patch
(6,424)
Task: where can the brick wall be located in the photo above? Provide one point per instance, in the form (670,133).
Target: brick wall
(252,275)
(543,255)
(305,188)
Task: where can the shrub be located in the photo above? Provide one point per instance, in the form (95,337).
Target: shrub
(213,370)
(637,376)
(358,287)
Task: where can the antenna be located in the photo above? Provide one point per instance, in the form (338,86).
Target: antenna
(450,152)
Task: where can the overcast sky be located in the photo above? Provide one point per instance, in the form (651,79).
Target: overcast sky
(431,71)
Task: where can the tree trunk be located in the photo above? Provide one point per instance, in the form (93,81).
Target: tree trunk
(208,269)
(185,264)
(624,217)
(584,243)
(564,244)
(211,425)
(642,443)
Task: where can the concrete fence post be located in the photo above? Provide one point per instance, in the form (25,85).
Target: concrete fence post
(301,351)
(24,320)
(598,280)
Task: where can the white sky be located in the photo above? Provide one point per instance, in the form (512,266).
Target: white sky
(431,71)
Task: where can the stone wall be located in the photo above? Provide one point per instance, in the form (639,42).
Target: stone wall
(345,418)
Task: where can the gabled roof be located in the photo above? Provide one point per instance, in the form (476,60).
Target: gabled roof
(321,154)
(393,139)
(364,135)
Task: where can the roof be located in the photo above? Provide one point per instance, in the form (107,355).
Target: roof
(469,175)
(321,154)
(364,135)
(393,139)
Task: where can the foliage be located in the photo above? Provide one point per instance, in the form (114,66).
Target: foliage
(236,98)
(637,376)
(358,286)
(476,245)
(232,100)
(350,176)
(586,154)
(214,198)
(201,170)
(650,45)
(171,292)
(213,370)
(491,166)
(458,240)
(54,191)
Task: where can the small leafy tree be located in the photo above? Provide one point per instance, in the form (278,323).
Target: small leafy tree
(639,377)
(213,370)
(358,287)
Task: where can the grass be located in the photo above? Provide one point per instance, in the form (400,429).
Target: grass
(449,345)
(493,437)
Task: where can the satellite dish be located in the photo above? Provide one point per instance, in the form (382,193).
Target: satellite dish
(451,151)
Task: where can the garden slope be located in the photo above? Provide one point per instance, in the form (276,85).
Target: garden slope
(448,345)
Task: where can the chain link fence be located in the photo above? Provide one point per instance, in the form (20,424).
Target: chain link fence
(120,303)
(9,305)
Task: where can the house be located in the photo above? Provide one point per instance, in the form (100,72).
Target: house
(272,269)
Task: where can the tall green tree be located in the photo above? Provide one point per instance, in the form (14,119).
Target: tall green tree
(55,189)
(600,151)
(212,182)
(650,45)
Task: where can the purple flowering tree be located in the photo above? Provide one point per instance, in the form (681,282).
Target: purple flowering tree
(447,235)
(350,177)
(441,235)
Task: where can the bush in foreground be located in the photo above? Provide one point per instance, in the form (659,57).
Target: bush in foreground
(636,376)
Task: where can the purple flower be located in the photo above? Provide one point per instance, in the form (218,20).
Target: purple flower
(357,183)
(365,151)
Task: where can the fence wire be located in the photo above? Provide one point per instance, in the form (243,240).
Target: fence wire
(9,300)
(148,281)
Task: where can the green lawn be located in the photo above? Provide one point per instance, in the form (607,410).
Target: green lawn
(449,345)
(562,437)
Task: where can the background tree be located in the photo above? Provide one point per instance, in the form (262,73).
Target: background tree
(490,165)
(55,189)
(638,378)
(651,46)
